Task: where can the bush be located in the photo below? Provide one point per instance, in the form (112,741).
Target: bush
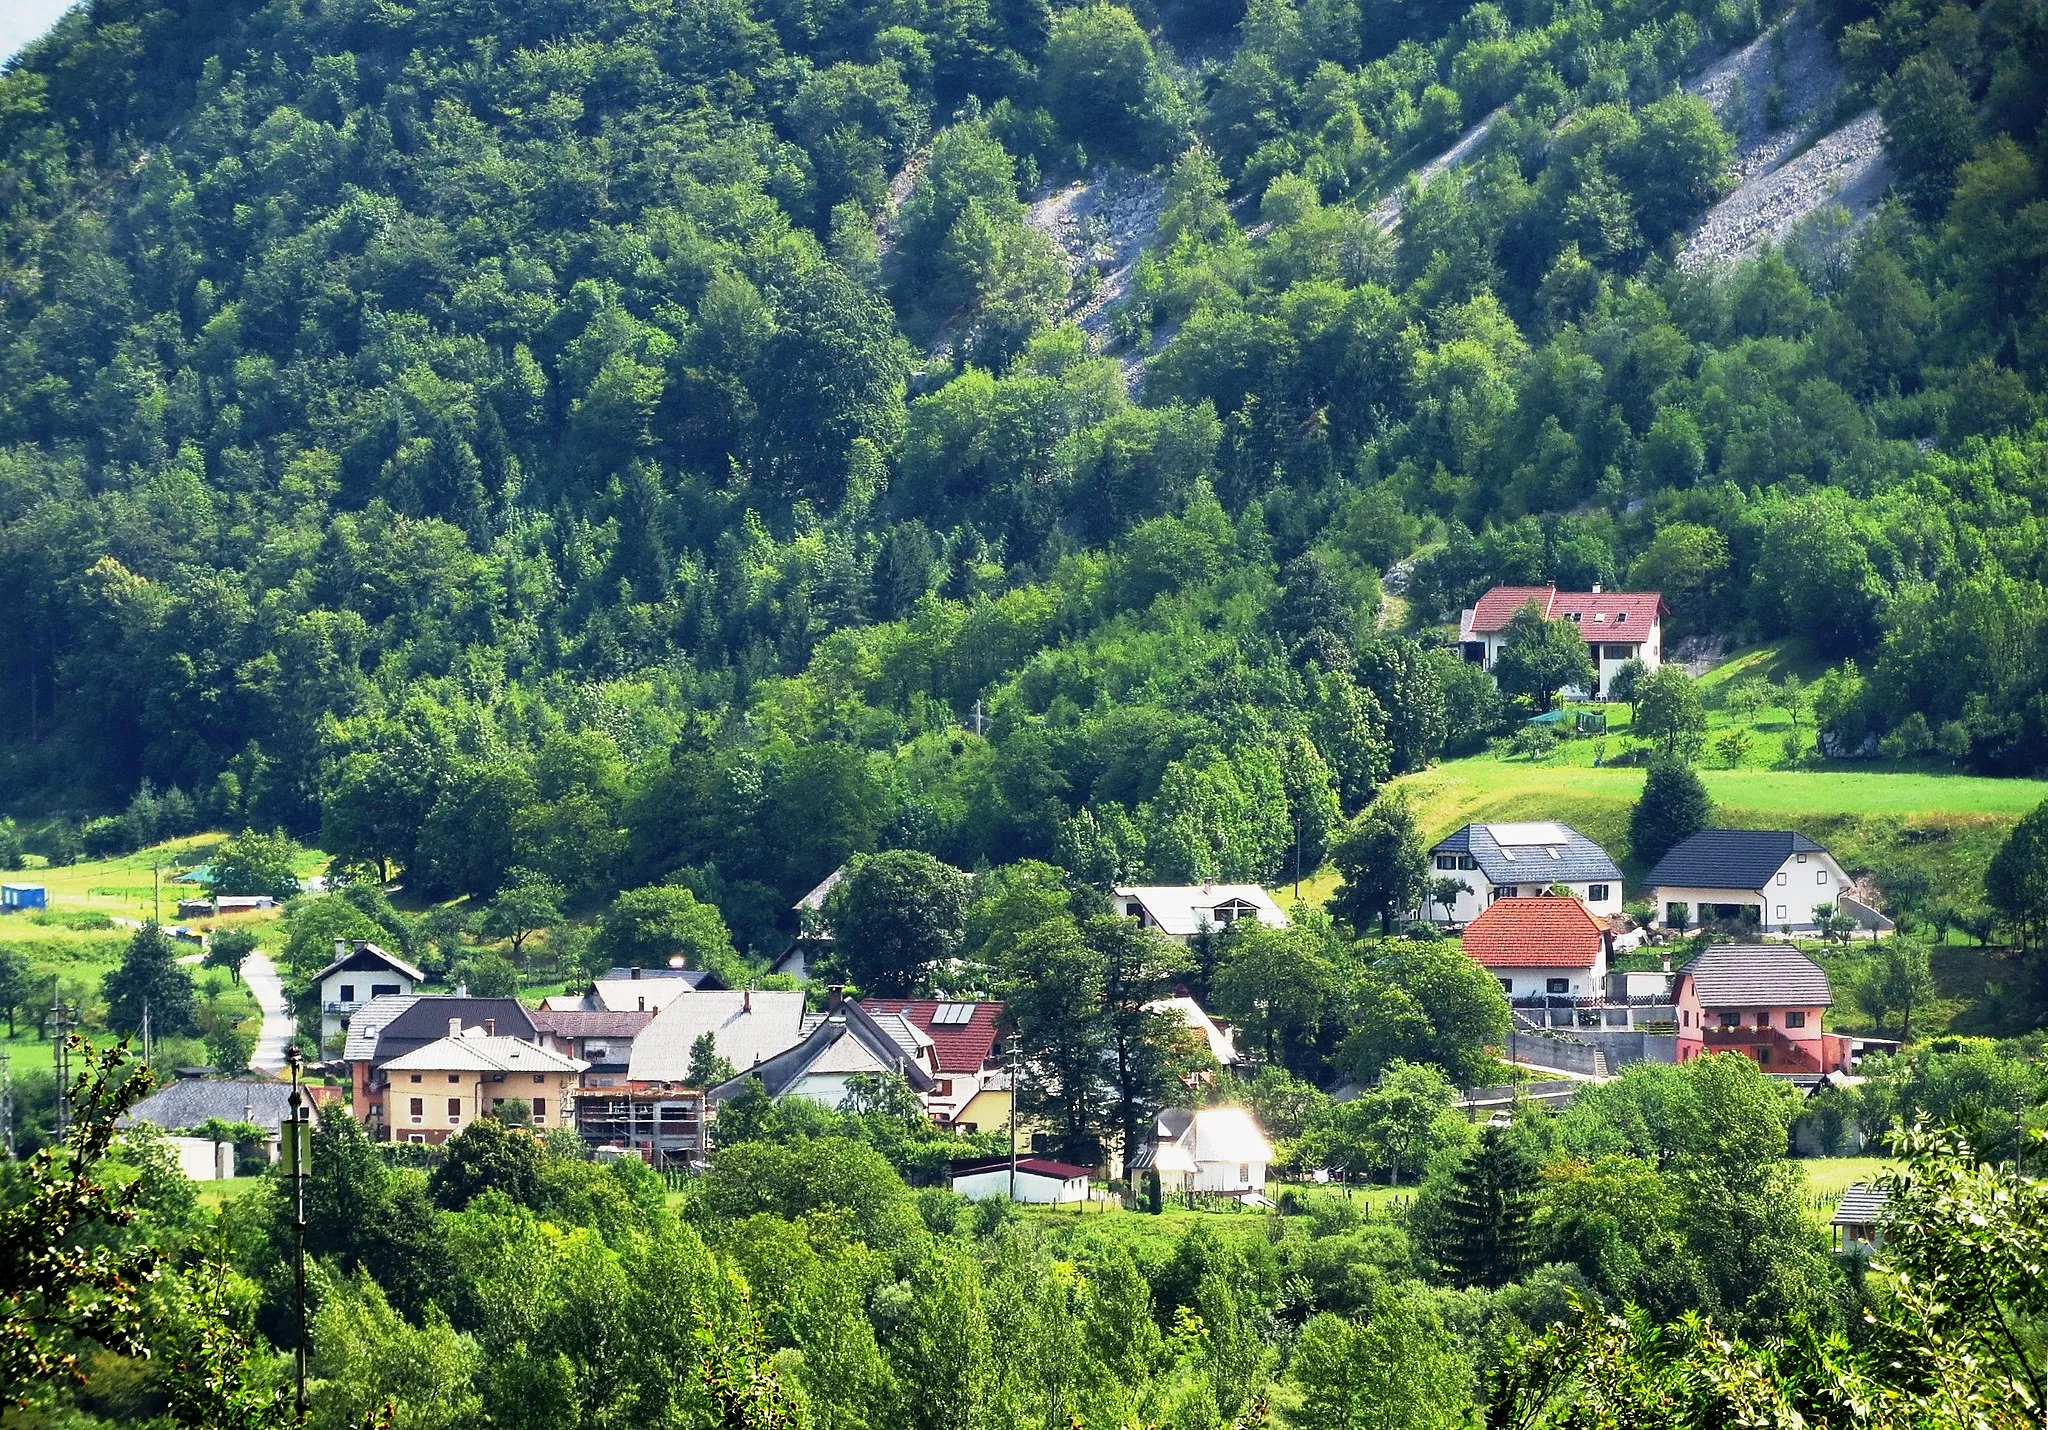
(105,837)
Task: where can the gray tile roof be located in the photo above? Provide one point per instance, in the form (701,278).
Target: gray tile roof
(1729,859)
(369,1024)
(425,1020)
(1862,1205)
(746,1030)
(849,1041)
(1562,856)
(1757,975)
(189,1102)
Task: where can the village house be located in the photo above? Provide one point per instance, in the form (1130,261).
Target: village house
(971,1085)
(1208,1149)
(844,1042)
(1215,1036)
(394,1025)
(602,1040)
(1860,1218)
(1617,626)
(661,1124)
(1763,879)
(1505,861)
(433,1092)
(1039,1181)
(1764,1001)
(179,1108)
(1182,911)
(633,990)
(359,973)
(1540,948)
(747,1026)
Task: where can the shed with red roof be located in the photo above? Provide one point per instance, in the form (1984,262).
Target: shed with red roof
(1544,947)
(1617,626)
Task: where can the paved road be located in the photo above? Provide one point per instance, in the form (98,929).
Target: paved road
(278,1024)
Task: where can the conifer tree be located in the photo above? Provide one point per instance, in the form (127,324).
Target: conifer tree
(1487,1215)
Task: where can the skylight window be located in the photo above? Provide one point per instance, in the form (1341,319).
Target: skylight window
(1621,618)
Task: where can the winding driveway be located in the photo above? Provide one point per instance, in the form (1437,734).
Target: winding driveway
(279,1026)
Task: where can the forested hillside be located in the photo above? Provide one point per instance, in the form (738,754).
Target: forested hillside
(620,438)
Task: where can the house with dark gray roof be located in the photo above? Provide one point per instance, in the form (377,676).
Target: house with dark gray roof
(1521,860)
(391,1027)
(359,973)
(1762,1000)
(845,1042)
(180,1108)
(1759,879)
(1860,1217)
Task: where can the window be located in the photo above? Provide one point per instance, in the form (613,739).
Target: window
(348,993)
(1446,861)
(1621,618)
(1507,986)
(1466,861)
(1763,1017)
(943,1088)
(1763,1057)
(384,990)
(417,1139)
(1782,876)
(540,1109)
(1781,913)
(455,1109)
(497,1102)
(419,1109)
(1244,1169)
(1596,893)
(1731,1019)
(415,1077)
(1796,1018)
(1574,617)
(1820,876)
(1557,985)
(540,1077)
(455,1077)
(1619,652)
(1507,893)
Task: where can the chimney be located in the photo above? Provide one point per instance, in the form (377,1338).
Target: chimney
(341,948)
(490,1027)
(747,999)
(643,1001)
(1596,588)
(454,1027)
(1667,964)
(636,970)
(835,996)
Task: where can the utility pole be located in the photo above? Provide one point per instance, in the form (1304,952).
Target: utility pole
(62,1016)
(1014,1040)
(298,1159)
(6,1109)
(156,894)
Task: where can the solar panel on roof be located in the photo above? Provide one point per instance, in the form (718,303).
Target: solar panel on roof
(951,1015)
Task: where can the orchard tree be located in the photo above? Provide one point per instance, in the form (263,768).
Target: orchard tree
(1538,658)
(645,928)
(1426,1003)
(151,980)
(1668,713)
(252,863)
(228,949)
(1896,982)
(1671,809)
(895,917)
(1383,865)
(488,1156)
(530,903)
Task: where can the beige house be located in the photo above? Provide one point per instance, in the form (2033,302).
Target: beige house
(432,1093)
(1617,626)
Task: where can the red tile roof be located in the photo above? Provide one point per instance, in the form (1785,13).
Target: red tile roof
(1600,614)
(1534,933)
(959,1047)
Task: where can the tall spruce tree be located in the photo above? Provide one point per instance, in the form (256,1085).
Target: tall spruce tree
(1487,1214)
(1672,809)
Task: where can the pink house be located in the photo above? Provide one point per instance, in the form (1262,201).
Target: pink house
(1763,1001)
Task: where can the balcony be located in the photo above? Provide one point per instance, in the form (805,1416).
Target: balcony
(1773,1051)
(339,1009)
(1562,1010)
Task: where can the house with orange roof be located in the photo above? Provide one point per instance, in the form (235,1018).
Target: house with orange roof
(1540,948)
(971,1082)
(1617,626)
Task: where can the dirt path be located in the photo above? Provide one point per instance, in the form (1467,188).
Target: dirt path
(279,1027)
(1387,212)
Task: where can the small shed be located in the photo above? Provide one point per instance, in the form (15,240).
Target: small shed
(23,896)
(1582,722)
(1040,1180)
(1860,1217)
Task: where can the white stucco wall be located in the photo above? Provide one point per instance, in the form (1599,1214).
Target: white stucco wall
(1031,1188)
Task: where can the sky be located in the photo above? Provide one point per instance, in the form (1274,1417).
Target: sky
(23,20)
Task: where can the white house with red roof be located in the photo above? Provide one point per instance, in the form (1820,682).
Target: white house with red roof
(1617,626)
(1543,947)
(971,1084)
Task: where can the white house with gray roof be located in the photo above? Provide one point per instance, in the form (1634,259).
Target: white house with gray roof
(1181,911)
(747,1026)
(844,1042)
(1526,860)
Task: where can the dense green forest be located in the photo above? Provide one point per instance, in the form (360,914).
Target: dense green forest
(491,436)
